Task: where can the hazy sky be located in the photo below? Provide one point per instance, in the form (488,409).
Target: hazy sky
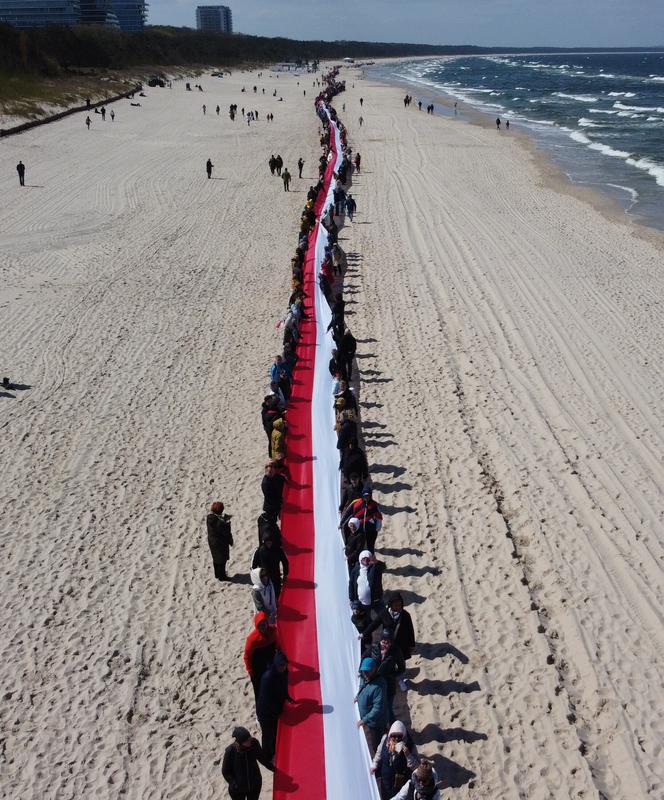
(567,23)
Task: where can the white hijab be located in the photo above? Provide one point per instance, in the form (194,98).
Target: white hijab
(363,588)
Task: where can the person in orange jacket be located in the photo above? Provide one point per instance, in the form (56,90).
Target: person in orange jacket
(368,514)
(260,648)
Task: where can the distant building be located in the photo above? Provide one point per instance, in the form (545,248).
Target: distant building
(132,14)
(216,19)
(97,12)
(39,13)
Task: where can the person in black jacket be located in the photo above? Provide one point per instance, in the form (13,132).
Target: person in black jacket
(269,412)
(391,665)
(354,462)
(334,365)
(347,348)
(366,581)
(240,766)
(347,433)
(220,539)
(272,695)
(356,542)
(270,557)
(268,524)
(272,486)
(348,395)
(393,615)
(352,491)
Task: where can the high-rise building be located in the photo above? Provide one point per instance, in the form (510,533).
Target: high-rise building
(98,12)
(38,13)
(132,14)
(216,19)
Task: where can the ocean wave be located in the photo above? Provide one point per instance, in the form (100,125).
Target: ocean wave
(579,137)
(582,98)
(630,191)
(656,170)
(658,109)
(621,94)
(586,123)
(601,111)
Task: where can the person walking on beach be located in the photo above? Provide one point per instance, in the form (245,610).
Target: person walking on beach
(112,115)
(218,109)
(371,702)
(278,162)
(240,766)
(361,101)
(507,124)
(351,206)
(498,123)
(361,120)
(272,696)
(285,177)
(204,109)
(358,161)
(209,166)
(88,121)
(20,168)
(220,539)
(300,164)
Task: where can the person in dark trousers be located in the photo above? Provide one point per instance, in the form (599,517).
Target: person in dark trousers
(353,491)
(372,703)
(391,665)
(260,648)
(20,168)
(268,524)
(220,539)
(87,122)
(272,487)
(358,162)
(270,557)
(300,164)
(209,167)
(240,766)
(354,462)
(361,619)
(335,363)
(366,581)
(355,544)
(367,511)
(395,759)
(351,206)
(497,123)
(278,163)
(272,164)
(272,695)
(112,115)
(346,352)
(394,616)
(286,177)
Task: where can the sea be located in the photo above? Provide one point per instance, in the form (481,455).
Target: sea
(600,116)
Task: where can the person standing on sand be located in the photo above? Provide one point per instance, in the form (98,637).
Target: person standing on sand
(220,539)
(209,166)
(507,124)
(351,206)
(498,123)
(361,101)
(358,161)
(103,113)
(240,766)
(88,121)
(20,168)
(204,109)
(218,109)
(285,177)
(279,162)
(272,695)
(259,649)
(112,115)
(300,164)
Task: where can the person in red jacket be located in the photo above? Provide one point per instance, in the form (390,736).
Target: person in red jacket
(368,514)
(260,648)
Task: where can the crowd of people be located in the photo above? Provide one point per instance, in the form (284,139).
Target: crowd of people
(384,626)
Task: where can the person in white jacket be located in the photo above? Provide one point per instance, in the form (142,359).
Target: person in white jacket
(262,594)
(421,786)
(395,760)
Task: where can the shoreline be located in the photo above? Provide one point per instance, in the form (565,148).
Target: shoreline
(552,174)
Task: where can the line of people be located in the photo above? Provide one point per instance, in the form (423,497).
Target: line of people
(398,770)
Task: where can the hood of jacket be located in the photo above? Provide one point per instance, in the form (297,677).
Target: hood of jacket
(259,616)
(257,582)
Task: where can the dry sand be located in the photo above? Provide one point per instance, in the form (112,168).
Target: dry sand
(511,345)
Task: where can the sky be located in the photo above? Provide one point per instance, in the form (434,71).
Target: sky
(504,23)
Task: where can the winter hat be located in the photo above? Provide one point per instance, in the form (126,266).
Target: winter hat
(398,728)
(241,734)
(387,633)
(367,665)
(354,523)
(425,779)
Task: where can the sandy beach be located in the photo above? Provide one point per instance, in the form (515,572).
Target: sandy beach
(512,398)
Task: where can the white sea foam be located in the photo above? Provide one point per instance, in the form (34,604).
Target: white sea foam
(586,123)
(579,137)
(582,98)
(656,170)
(631,192)
(601,111)
(609,151)
(621,94)
(658,109)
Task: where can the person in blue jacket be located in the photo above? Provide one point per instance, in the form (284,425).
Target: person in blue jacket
(371,702)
